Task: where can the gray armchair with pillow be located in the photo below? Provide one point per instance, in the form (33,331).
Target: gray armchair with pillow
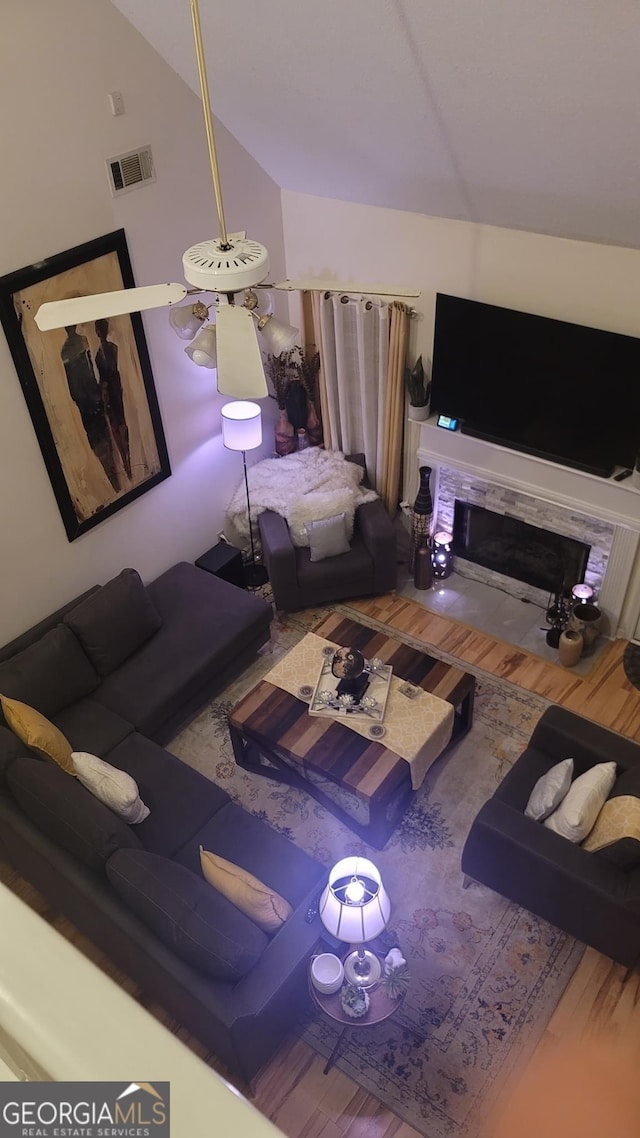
(594,895)
(332,568)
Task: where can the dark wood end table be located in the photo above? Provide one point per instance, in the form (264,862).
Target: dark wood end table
(381,1007)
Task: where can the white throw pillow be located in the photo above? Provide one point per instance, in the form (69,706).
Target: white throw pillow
(549,791)
(577,813)
(327,538)
(117,789)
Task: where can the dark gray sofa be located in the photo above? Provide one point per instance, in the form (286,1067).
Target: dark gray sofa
(593,896)
(137,891)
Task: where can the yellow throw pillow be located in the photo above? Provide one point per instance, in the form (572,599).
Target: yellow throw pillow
(619,818)
(266,908)
(37,732)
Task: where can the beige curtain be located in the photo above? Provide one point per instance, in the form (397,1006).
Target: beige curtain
(390,489)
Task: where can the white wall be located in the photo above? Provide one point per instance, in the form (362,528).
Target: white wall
(58,61)
(597,285)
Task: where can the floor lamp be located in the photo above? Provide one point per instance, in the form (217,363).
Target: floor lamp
(242,430)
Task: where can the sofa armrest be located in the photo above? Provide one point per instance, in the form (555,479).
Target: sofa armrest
(279,556)
(563,734)
(379,536)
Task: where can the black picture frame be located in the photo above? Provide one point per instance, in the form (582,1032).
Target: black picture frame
(102,448)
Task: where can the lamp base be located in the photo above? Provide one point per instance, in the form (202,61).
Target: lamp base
(362,969)
(255,575)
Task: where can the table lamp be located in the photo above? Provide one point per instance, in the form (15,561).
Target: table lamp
(355,907)
(242,430)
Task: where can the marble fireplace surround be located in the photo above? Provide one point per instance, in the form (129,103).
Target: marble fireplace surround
(603,513)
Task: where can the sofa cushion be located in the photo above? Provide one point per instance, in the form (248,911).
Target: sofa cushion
(194,920)
(549,791)
(90,726)
(49,674)
(249,842)
(264,906)
(114,622)
(62,809)
(181,801)
(206,623)
(117,789)
(580,807)
(11,748)
(37,733)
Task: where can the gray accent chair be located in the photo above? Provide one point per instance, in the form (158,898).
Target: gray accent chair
(368,569)
(594,897)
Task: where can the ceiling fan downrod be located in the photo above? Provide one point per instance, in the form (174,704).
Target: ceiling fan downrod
(208,122)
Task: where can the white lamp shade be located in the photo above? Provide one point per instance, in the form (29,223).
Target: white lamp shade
(241,425)
(203,349)
(184,321)
(279,337)
(354,905)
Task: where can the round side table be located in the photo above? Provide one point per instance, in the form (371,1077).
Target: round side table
(381,1007)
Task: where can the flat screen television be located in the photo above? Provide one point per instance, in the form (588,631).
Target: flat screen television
(564,392)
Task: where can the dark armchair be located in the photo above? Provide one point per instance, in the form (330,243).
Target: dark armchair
(369,567)
(584,894)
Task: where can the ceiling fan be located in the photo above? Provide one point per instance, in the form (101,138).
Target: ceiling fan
(229,268)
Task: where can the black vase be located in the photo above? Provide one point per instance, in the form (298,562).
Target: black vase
(424,502)
(422,514)
(296,404)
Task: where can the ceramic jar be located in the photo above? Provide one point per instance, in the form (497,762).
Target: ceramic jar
(586,619)
(570,647)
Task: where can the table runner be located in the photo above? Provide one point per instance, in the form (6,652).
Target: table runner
(417,729)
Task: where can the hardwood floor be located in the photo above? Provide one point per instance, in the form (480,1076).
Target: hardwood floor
(292,1091)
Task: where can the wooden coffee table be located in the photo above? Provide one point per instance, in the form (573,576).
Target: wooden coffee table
(273,734)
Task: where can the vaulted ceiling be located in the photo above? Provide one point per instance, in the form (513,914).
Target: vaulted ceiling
(518,113)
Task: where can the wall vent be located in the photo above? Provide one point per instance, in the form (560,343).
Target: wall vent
(127,171)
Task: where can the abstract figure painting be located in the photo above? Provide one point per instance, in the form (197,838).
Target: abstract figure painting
(89,387)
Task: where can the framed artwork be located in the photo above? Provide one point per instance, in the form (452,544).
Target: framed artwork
(89,388)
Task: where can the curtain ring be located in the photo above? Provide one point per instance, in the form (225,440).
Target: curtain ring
(344,300)
(369,305)
(327,295)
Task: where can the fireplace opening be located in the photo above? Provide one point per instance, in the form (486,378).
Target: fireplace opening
(514,548)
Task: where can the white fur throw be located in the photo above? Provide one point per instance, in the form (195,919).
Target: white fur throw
(303,487)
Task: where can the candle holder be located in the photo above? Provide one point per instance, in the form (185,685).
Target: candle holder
(581,594)
(442,555)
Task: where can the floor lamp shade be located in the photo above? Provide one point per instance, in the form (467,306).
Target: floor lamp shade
(241,425)
(355,907)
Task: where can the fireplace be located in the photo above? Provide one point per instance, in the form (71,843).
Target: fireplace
(514,548)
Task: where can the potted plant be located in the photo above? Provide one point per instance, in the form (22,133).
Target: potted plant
(419,391)
(395,982)
(354,1001)
(294,378)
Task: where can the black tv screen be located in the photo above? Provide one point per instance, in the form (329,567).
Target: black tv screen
(561,391)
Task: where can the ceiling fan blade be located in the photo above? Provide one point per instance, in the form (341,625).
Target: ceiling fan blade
(314,283)
(82,309)
(240,366)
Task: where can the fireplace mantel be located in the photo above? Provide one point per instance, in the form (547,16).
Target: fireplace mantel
(617,502)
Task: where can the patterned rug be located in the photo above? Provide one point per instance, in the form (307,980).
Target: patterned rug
(485,974)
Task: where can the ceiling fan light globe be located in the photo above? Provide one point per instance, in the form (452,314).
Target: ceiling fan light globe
(184,321)
(279,337)
(203,349)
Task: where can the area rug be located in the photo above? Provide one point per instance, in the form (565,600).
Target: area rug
(485,974)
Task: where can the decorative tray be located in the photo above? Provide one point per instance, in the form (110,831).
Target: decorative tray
(326,702)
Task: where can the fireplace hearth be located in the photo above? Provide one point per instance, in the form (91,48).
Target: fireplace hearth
(513,548)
